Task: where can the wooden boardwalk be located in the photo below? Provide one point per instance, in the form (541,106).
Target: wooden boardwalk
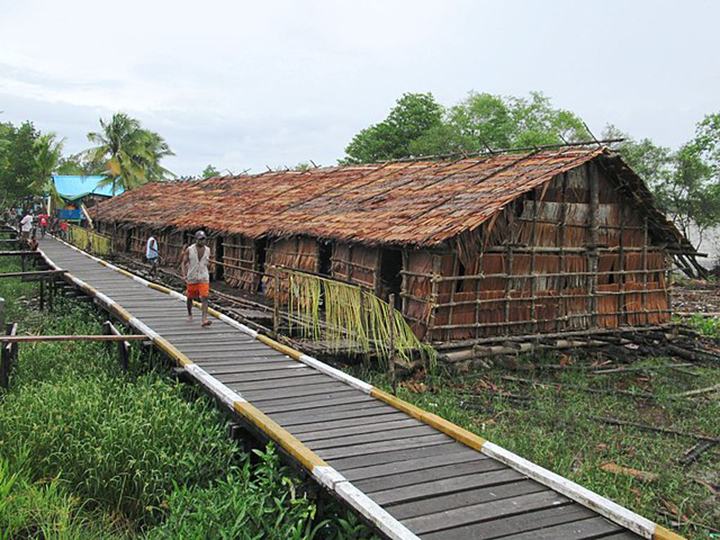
(407,472)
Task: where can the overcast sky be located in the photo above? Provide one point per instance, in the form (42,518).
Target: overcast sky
(245,84)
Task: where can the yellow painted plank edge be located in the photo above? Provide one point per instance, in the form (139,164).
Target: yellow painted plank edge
(170,349)
(292,445)
(292,353)
(661,533)
(456,432)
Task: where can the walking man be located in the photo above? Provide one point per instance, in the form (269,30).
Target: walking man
(152,254)
(26,226)
(195,261)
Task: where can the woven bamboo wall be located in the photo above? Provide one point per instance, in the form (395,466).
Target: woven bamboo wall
(520,281)
(356,264)
(298,253)
(239,259)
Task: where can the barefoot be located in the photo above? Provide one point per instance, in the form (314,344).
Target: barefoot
(190,319)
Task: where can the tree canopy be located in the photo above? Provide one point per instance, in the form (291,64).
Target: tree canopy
(419,126)
(412,116)
(128,154)
(686,181)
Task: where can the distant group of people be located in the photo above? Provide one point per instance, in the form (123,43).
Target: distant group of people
(195,269)
(30,225)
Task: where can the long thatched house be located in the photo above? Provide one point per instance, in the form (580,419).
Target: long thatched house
(546,241)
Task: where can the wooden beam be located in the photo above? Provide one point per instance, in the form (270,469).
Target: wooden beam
(36,338)
(34,273)
(18,253)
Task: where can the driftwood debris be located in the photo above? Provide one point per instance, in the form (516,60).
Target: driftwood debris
(694,453)
(627,471)
(700,391)
(646,427)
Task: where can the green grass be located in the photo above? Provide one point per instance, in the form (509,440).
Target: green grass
(90,451)
(554,427)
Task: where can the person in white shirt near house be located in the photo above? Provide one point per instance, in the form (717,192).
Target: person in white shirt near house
(26,226)
(152,254)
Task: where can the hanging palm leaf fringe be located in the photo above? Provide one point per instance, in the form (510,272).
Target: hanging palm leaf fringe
(88,240)
(351,314)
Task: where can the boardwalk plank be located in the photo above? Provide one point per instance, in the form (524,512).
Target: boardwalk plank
(400,455)
(478,513)
(473,481)
(344,431)
(410,478)
(398,467)
(440,503)
(384,446)
(538,525)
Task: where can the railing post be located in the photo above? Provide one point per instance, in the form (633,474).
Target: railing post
(391,358)
(2,313)
(276,302)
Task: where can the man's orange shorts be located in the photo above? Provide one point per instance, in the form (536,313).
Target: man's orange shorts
(198,290)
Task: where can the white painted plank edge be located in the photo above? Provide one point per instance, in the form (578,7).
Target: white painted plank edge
(605,507)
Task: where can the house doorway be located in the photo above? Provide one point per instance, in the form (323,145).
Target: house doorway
(390,277)
(325,258)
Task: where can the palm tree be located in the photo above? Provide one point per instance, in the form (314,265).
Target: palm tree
(48,151)
(128,154)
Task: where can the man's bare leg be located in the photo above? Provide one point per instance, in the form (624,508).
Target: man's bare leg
(204,304)
(189,304)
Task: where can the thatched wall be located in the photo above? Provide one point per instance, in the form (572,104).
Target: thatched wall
(356,264)
(560,258)
(240,263)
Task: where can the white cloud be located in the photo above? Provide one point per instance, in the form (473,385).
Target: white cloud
(241,83)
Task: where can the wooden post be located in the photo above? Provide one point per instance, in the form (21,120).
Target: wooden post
(276,302)
(405,287)
(594,188)
(622,280)
(668,284)
(453,286)
(508,284)
(477,295)
(122,346)
(51,294)
(533,277)
(391,357)
(645,270)
(8,352)
(2,312)
(434,285)
(562,283)
(42,294)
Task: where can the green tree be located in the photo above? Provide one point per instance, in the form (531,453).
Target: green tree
(412,116)
(128,154)
(685,181)
(17,157)
(484,121)
(48,152)
(210,171)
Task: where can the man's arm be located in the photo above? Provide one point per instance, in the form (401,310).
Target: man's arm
(184,264)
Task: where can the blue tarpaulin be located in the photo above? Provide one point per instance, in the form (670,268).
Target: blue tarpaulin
(71,214)
(72,186)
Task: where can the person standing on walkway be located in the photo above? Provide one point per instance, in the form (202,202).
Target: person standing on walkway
(26,226)
(43,225)
(152,254)
(195,271)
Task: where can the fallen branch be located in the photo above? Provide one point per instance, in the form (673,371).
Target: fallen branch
(695,452)
(626,471)
(638,368)
(639,395)
(646,427)
(699,391)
